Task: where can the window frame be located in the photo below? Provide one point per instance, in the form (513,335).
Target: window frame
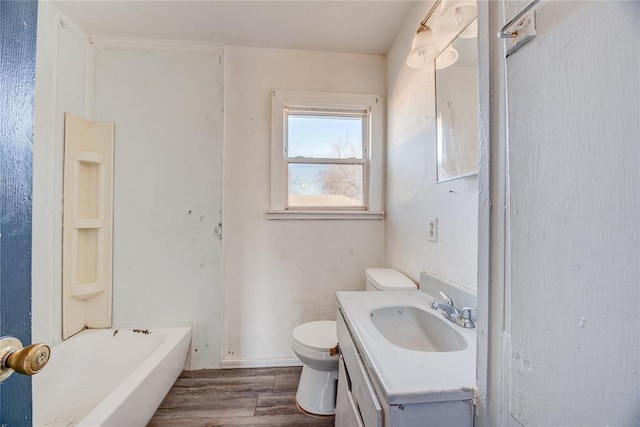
(369,106)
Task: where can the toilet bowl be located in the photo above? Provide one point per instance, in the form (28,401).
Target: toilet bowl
(312,343)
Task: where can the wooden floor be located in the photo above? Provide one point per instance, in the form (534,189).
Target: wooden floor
(236,397)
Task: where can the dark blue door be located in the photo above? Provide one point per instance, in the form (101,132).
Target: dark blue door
(17,77)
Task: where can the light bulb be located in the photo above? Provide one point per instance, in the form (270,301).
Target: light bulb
(448,57)
(459,15)
(454,16)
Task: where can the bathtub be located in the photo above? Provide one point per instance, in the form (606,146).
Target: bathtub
(109,377)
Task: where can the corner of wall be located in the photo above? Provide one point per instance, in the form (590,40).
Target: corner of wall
(61,79)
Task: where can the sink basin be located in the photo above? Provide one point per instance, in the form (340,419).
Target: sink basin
(416,329)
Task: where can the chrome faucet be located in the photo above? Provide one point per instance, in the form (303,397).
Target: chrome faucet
(453,314)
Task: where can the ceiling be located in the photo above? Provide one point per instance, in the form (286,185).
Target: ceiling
(362,26)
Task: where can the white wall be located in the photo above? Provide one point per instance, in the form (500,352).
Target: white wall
(281,273)
(167,106)
(62,84)
(574,134)
(412,192)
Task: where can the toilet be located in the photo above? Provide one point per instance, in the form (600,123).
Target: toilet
(315,344)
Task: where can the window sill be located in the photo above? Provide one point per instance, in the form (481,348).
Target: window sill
(324,214)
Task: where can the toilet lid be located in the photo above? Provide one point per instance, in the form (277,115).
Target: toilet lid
(320,335)
(389,279)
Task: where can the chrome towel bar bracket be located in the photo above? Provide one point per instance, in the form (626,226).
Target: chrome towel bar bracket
(504,33)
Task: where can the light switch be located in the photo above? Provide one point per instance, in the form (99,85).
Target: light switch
(432,229)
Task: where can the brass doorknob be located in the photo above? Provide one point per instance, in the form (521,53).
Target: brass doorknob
(25,360)
(29,360)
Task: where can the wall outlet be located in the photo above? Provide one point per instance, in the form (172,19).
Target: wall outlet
(432,229)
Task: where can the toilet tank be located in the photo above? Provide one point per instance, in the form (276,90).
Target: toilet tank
(388,279)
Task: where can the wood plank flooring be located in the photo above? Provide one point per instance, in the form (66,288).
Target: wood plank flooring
(261,397)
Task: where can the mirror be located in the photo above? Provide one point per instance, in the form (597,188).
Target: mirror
(457,107)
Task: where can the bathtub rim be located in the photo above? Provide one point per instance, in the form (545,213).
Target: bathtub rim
(174,339)
(126,388)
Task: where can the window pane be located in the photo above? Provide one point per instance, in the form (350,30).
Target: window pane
(328,137)
(326,185)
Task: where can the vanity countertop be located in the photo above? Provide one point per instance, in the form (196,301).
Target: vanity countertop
(407,376)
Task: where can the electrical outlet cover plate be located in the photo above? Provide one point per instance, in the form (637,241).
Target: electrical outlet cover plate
(432,229)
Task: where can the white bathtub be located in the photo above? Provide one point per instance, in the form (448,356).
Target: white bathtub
(109,377)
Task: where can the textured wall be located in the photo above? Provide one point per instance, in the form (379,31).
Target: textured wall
(168,113)
(167,107)
(281,273)
(412,192)
(62,84)
(574,157)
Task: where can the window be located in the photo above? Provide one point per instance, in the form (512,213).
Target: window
(326,158)
(326,155)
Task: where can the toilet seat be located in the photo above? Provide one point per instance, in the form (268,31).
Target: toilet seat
(319,336)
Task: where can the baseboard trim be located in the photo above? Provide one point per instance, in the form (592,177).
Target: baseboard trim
(261,363)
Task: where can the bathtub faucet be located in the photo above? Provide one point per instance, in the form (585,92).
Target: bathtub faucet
(450,312)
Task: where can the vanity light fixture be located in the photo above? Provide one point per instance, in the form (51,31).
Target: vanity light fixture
(426,45)
(448,57)
(471,32)
(456,15)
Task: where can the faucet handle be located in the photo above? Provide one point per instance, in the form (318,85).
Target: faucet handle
(466,317)
(447,299)
(467,312)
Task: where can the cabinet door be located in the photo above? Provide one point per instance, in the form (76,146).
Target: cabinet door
(362,391)
(347,414)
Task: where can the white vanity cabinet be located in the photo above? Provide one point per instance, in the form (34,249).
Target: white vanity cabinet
(357,403)
(361,401)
